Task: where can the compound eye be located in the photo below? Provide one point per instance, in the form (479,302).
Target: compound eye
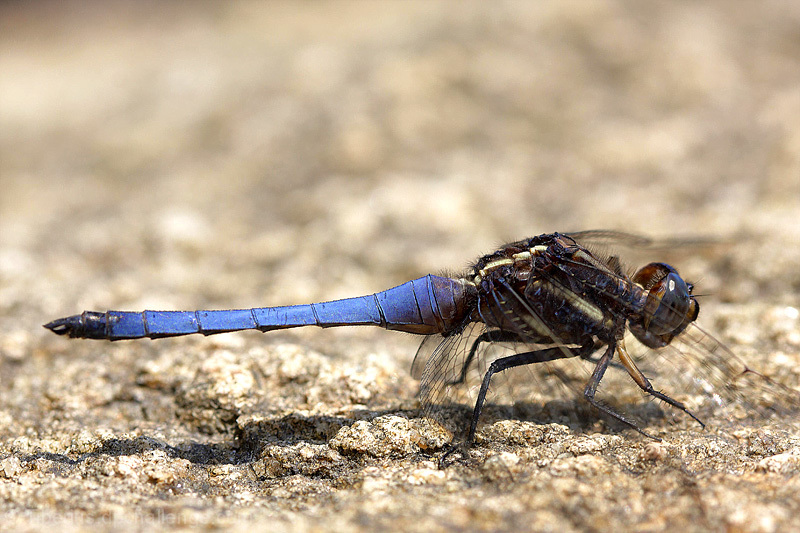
(673,305)
(669,306)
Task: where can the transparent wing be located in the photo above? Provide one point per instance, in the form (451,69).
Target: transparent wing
(621,239)
(635,250)
(716,384)
(450,380)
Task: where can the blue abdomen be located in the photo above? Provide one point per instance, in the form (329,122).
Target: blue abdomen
(426,305)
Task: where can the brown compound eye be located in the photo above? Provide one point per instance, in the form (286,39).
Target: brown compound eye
(669,307)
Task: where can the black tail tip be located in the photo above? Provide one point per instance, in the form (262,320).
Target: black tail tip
(87,325)
(61,326)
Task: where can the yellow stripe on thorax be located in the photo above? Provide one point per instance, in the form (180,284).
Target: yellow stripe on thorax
(516,258)
(583,306)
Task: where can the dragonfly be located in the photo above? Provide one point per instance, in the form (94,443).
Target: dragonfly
(550,298)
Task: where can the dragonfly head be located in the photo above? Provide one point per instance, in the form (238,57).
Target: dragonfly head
(669,305)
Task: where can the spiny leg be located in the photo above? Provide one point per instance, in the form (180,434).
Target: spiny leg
(486,336)
(594,382)
(520,359)
(644,383)
(592,357)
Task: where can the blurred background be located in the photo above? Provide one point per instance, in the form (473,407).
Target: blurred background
(233,154)
(332,142)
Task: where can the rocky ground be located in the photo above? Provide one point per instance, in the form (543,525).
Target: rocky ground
(205,155)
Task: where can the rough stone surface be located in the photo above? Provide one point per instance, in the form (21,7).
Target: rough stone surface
(229,155)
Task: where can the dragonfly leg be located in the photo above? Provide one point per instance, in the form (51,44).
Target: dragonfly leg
(520,359)
(594,382)
(591,356)
(487,336)
(644,383)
